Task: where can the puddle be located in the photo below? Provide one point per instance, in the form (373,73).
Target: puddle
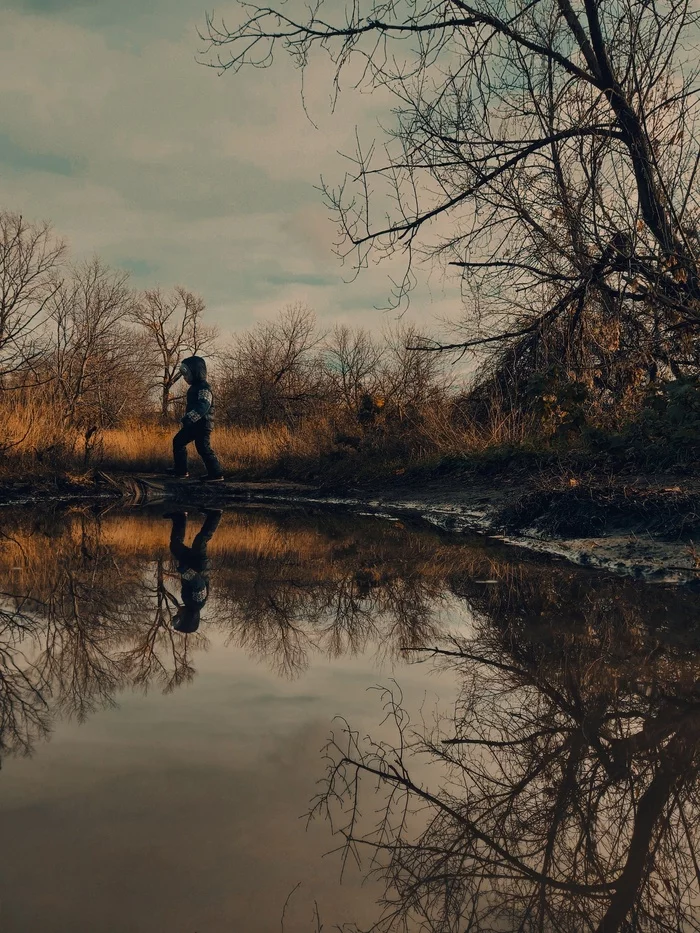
(179,691)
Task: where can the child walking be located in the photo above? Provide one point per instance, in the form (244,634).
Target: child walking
(197,422)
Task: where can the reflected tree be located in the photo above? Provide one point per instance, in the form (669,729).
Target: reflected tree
(157,653)
(567,797)
(24,713)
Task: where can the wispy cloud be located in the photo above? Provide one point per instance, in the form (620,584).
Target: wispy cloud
(137,152)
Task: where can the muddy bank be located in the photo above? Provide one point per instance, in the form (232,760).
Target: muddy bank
(636,526)
(58,489)
(643,527)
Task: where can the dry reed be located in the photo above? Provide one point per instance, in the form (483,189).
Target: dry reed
(34,432)
(37,442)
(149,447)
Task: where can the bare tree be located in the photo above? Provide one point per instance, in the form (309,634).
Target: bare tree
(274,372)
(548,151)
(97,364)
(87,622)
(172,324)
(30,259)
(566,800)
(353,359)
(411,380)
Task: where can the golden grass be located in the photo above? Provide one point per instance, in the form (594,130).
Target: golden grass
(149,447)
(242,537)
(33,431)
(37,442)
(147,537)
(456,437)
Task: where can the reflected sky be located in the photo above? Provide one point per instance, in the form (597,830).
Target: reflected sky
(184,811)
(156,774)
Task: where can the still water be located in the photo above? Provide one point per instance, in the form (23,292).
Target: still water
(287,720)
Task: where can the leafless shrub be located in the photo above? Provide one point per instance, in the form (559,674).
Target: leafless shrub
(272,372)
(96,364)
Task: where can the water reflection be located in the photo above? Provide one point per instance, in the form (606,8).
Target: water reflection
(193,565)
(567,794)
(564,789)
(100,603)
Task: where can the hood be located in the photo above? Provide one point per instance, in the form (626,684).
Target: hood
(196,368)
(186,620)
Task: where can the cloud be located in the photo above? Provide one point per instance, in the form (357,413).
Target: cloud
(45,6)
(137,153)
(301,278)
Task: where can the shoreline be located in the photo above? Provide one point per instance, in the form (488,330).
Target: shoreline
(640,528)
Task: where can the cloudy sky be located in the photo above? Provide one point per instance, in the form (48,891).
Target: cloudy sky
(110,129)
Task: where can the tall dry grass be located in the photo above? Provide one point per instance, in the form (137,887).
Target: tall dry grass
(78,533)
(446,433)
(36,441)
(38,549)
(34,433)
(246,536)
(149,448)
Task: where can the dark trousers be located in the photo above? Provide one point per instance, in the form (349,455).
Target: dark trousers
(194,557)
(200,433)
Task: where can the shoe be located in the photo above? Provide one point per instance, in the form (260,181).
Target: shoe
(172,472)
(211,479)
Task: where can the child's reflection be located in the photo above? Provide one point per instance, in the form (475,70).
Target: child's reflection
(193,565)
